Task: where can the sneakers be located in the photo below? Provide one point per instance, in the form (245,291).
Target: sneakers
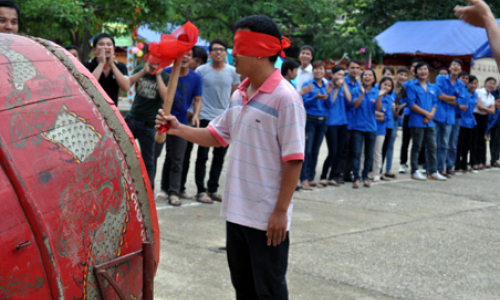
(418,176)
(437,176)
(421,169)
(403,169)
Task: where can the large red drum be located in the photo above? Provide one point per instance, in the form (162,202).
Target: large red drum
(78,214)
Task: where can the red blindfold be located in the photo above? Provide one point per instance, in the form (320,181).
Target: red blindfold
(257,44)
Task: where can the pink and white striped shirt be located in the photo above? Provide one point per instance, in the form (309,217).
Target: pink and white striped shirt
(264,131)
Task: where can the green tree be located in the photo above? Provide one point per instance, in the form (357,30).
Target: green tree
(76,21)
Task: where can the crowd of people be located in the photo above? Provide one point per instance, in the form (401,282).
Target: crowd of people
(447,122)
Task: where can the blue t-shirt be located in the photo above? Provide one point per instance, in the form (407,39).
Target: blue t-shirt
(349,108)
(493,120)
(314,106)
(426,100)
(445,112)
(387,110)
(468,120)
(188,87)
(337,114)
(364,115)
(389,119)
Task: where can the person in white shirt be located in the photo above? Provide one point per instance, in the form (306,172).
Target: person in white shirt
(305,71)
(485,106)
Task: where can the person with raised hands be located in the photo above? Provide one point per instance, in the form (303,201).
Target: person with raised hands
(366,100)
(336,132)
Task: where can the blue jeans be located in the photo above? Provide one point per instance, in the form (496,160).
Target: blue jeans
(335,139)
(421,135)
(452,149)
(443,132)
(389,149)
(315,131)
(145,132)
(358,137)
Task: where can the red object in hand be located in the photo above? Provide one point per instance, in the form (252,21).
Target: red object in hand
(164,128)
(173,46)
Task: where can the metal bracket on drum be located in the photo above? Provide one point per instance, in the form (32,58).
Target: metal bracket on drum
(148,268)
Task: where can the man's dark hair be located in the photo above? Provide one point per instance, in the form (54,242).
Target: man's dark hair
(443,69)
(218,42)
(458,61)
(13,5)
(420,65)
(319,63)
(374,75)
(73,47)
(200,53)
(337,68)
(260,24)
(288,64)
(403,70)
(384,79)
(461,74)
(390,69)
(416,59)
(472,78)
(353,61)
(102,36)
(307,47)
(490,79)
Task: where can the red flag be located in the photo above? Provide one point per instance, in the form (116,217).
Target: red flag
(173,46)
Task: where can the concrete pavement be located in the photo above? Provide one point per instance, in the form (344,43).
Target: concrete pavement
(400,239)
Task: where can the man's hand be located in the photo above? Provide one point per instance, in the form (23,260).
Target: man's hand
(478,14)
(320,96)
(307,89)
(163,120)
(195,121)
(276,228)
(339,82)
(100,56)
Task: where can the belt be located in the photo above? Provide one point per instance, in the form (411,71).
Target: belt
(317,118)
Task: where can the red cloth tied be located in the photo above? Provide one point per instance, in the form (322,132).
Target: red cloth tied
(255,44)
(173,46)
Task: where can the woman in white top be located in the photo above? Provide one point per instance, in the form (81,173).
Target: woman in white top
(485,106)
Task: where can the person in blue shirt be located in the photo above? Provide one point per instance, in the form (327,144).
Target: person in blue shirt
(337,127)
(467,123)
(382,117)
(494,131)
(353,71)
(400,97)
(316,102)
(405,143)
(189,89)
(451,101)
(367,99)
(289,70)
(422,101)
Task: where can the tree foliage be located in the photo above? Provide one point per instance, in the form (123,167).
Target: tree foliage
(76,21)
(304,21)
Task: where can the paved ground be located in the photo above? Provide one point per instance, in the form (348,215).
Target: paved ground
(401,239)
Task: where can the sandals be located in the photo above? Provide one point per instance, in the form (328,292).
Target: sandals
(333,182)
(185,195)
(390,175)
(366,183)
(174,200)
(305,186)
(355,184)
(314,184)
(204,198)
(323,182)
(215,197)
